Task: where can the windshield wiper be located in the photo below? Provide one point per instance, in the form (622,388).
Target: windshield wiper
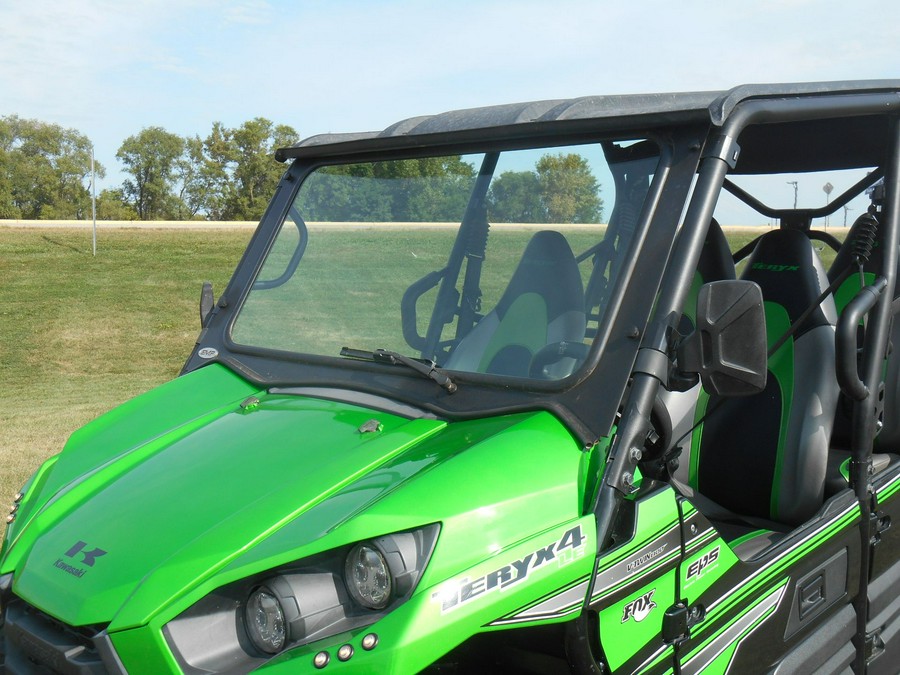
(426,367)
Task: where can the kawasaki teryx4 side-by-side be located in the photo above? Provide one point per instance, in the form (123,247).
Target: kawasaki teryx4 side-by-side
(490,392)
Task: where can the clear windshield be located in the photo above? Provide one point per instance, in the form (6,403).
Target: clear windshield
(496,263)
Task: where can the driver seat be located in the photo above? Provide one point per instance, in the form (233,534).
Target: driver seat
(543,304)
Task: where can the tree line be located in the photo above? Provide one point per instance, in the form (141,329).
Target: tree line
(45,173)
(560,189)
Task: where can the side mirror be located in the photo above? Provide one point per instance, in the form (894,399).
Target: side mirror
(207,300)
(728,347)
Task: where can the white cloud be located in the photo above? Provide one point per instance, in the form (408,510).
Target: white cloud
(110,68)
(249,12)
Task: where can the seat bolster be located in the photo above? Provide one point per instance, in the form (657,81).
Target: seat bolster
(567,324)
(801,484)
(468,353)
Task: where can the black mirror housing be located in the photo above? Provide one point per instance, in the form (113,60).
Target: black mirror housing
(728,346)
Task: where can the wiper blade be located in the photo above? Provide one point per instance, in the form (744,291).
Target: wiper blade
(426,367)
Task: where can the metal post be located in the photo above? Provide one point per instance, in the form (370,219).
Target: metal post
(794,183)
(93,203)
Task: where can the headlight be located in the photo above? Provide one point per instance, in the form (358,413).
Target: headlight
(264,619)
(241,625)
(368,577)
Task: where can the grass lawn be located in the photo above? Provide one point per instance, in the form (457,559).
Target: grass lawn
(80,334)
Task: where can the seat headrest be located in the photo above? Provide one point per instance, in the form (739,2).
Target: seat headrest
(789,272)
(547,268)
(715,262)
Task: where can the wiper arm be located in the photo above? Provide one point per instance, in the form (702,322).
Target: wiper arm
(426,367)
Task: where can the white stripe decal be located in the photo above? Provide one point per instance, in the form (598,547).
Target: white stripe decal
(714,649)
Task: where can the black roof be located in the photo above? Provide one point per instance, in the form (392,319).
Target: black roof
(589,113)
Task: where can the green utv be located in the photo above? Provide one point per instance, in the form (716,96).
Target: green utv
(443,420)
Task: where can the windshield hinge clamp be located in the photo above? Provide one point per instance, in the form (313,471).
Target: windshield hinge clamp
(652,362)
(725,148)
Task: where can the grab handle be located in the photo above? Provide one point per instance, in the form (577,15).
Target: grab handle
(846,341)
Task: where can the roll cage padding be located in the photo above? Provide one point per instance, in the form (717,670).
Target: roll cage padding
(766,455)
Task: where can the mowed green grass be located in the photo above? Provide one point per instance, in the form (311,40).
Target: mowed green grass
(80,334)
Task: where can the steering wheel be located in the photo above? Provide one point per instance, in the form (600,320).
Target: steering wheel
(554,353)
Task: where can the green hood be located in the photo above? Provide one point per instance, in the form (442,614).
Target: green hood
(143,519)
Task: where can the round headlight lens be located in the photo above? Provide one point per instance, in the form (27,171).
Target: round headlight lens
(368,577)
(264,618)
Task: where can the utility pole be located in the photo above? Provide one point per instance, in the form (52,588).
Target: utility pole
(846,208)
(93,203)
(794,183)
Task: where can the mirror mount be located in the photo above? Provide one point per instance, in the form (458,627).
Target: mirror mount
(727,349)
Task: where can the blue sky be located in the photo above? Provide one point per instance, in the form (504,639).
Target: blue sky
(112,67)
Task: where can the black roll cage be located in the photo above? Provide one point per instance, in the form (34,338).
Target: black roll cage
(722,154)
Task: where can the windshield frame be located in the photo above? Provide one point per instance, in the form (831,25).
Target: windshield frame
(479,395)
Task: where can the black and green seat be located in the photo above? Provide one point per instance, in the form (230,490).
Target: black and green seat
(715,264)
(765,456)
(543,304)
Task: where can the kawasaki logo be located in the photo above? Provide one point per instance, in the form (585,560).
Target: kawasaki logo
(569,547)
(640,608)
(88,558)
(775,268)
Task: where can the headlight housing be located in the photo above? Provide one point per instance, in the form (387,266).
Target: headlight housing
(249,621)
(368,577)
(264,620)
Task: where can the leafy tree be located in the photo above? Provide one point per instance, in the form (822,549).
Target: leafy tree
(569,191)
(255,173)
(195,181)
(432,189)
(345,193)
(515,197)
(151,158)
(219,154)
(438,189)
(45,170)
(561,189)
(112,204)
